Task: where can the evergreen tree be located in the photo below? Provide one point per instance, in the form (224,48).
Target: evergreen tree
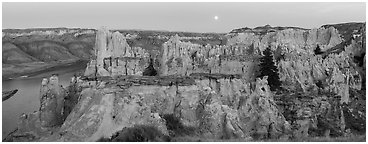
(268,68)
(318,50)
(150,70)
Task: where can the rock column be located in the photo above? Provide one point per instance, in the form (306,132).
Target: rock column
(52,102)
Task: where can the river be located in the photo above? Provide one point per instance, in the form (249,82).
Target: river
(26,100)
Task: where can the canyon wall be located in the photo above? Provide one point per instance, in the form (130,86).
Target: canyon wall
(212,89)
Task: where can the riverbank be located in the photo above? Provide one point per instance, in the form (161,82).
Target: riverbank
(13,71)
(27,99)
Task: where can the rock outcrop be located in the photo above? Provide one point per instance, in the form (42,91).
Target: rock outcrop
(211,89)
(9,94)
(72,97)
(291,40)
(114,57)
(184,58)
(217,105)
(312,114)
(48,119)
(52,102)
(334,73)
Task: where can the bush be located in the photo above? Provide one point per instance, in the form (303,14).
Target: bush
(150,70)
(318,50)
(176,128)
(138,133)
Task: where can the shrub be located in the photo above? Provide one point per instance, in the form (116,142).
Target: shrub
(318,51)
(138,133)
(150,70)
(176,128)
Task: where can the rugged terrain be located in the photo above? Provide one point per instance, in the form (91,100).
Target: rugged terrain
(174,85)
(31,50)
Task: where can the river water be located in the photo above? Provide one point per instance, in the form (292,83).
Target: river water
(26,100)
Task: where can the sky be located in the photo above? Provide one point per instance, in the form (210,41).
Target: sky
(187,17)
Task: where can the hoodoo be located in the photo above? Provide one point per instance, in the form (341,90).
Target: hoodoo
(210,91)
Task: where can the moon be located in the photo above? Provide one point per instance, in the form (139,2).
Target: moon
(216,17)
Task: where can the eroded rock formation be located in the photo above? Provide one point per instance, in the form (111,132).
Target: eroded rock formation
(184,58)
(52,102)
(114,57)
(335,73)
(219,106)
(291,40)
(211,89)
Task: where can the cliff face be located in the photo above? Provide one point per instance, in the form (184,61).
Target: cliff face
(184,58)
(52,102)
(211,89)
(334,73)
(291,40)
(216,105)
(114,57)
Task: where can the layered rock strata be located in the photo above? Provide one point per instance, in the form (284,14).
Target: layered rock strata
(334,73)
(184,58)
(291,40)
(114,57)
(217,105)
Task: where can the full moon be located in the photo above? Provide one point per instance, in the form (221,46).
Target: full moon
(216,17)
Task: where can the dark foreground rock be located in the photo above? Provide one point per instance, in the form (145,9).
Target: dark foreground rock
(9,94)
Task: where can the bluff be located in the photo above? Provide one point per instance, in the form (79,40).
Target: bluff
(290,40)
(184,58)
(210,90)
(217,106)
(114,57)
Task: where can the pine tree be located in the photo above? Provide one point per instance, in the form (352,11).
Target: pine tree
(318,50)
(268,68)
(150,70)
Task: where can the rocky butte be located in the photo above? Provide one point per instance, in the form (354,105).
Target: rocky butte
(211,89)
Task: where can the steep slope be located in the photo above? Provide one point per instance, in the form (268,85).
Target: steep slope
(48,51)
(13,54)
(82,50)
(347,30)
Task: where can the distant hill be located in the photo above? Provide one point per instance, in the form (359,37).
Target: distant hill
(52,44)
(13,54)
(263,29)
(347,29)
